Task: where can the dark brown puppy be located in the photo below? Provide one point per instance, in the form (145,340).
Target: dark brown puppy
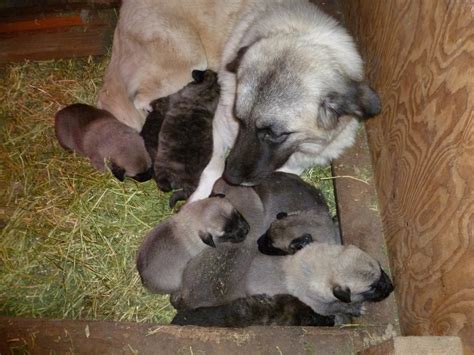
(254,310)
(97,135)
(178,134)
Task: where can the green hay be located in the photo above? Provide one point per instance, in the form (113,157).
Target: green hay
(70,234)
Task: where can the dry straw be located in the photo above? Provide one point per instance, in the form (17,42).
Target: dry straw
(69,234)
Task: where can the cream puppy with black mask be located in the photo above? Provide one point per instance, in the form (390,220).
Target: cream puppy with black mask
(331,279)
(292,232)
(167,249)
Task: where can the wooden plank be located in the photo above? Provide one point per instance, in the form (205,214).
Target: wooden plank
(41,24)
(66,44)
(41,336)
(420,57)
(421,345)
(360,221)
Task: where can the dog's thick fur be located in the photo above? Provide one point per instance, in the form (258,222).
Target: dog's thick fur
(167,249)
(99,136)
(157,44)
(178,134)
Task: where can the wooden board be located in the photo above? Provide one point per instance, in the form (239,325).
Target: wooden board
(41,336)
(62,31)
(420,57)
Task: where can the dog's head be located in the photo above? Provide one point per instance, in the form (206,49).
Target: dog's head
(293,98)
(290,233)
(359,278)
(202,91)
(130,159)
(218,220)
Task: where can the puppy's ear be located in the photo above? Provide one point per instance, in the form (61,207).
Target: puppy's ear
(207,239)
(301,242)
(234,64)
(343,294)
(282,215)
(358,99)
(198,75)
(118,172)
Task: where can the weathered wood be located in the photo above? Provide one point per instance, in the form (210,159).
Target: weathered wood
(360,221)
(420,57)
(35,33)
(40,336)
(53,45)
(421,345)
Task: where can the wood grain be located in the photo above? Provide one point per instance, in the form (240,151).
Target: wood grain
(42,336)
(420,57)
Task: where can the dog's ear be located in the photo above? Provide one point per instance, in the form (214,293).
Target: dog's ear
(300,242)
(198,75)
(282,215)
(207,239)
(343,294)
(118,172)
(234,64)
(358,99)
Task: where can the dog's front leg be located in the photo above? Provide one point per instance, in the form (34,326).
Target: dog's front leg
(224,132)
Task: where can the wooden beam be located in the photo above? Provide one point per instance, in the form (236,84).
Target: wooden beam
(41,336)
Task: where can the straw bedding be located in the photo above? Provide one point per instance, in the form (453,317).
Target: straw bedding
(69,234)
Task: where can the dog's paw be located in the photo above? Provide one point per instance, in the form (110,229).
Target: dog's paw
(143,103)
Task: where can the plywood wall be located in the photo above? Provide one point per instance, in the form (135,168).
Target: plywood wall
(420,57)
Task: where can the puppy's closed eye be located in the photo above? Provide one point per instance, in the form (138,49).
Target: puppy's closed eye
(301,242)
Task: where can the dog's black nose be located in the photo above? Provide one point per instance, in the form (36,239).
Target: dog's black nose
(231,175)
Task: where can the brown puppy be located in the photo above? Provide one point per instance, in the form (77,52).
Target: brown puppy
(178,134)
(97,135)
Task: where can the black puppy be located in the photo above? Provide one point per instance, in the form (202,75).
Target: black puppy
(254,310)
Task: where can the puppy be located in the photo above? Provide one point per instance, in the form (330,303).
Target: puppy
(331,279)
(290,233)
(282,310)
(166,250)
(278,193)
(181,127)
(97,135)
(292,94)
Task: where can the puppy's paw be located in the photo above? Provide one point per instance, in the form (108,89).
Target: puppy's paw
(342,319)
(357,309)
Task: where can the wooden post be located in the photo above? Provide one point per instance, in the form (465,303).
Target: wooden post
(420,57)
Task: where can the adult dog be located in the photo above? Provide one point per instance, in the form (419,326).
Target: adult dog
(292,92)
(292,88)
